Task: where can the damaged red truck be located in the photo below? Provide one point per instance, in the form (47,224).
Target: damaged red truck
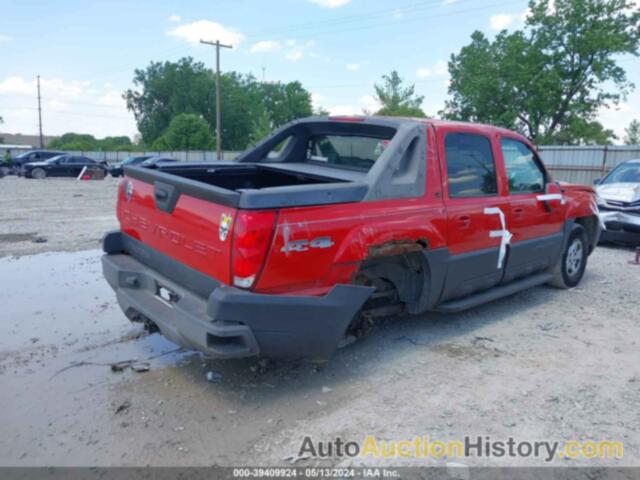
(291,249)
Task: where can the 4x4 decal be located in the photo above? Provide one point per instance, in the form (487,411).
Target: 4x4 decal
(304,245)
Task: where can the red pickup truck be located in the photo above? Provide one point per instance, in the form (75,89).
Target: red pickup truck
(294,247)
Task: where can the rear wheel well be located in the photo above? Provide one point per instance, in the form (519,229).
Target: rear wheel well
(399,282)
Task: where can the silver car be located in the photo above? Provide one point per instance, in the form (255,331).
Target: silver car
(619,203)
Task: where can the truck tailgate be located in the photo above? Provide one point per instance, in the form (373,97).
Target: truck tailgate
(195,232)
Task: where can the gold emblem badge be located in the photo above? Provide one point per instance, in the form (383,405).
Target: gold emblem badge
(225,224)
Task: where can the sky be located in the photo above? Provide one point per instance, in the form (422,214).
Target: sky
(86,52)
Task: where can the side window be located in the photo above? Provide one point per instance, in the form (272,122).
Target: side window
(471,169)
(523,171)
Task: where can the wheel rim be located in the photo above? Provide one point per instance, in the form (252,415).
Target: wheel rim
(38,173)
(575,255)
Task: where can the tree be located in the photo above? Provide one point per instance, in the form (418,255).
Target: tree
(164,90)
(284,102)
(320,111)
(186,131)
(549,80)
(632,136)
(396,99)
(86,142)
(262,126)
(74,141)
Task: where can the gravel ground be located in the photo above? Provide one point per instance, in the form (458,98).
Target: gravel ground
(56,214)
(542,364)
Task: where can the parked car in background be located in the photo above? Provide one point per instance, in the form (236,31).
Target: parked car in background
(619,203)
(117,169)
(152,162)
(30,156)
(61,166)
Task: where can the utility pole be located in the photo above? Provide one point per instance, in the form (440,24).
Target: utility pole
(40,114)
(217,44)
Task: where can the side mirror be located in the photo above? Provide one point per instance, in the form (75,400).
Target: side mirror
(597,181)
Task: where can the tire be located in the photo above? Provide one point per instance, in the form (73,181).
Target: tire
(570,270)
(38,173)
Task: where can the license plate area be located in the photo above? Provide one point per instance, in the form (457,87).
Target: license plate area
(166,295)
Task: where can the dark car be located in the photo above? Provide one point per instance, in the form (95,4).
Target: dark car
(117,169)
(61,166)
(32,156)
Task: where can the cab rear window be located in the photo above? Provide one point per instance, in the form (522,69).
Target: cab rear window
(348,151)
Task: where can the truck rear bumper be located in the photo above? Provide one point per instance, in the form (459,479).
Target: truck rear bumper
(229,322)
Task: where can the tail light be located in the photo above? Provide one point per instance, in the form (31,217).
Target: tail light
(252,235)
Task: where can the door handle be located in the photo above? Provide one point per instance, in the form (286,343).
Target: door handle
(463,221)
(518,212)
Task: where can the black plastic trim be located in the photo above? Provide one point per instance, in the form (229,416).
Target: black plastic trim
(185,186)
(199,283)
(229,322)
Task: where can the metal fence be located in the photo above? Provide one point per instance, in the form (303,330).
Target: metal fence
(185,155)
(575,164)
(585,164)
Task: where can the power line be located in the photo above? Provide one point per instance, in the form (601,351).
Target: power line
(403,21)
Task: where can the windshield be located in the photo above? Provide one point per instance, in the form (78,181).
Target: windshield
(348,151)
(132,160)
(625,173)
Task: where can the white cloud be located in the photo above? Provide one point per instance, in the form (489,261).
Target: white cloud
(352,66)
(206,30)
(174,18)
(68,106)
(330,3)
(316,100)
(343,110)
(397,14)
(441,68)
(112,98)
(298,50)
(265,46)
(370,104)
(17,85)
(449,2)
(500,21)
(4,38)
(56,104)
(618,118)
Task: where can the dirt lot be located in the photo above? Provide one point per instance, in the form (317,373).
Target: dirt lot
(54,214)
(543,364)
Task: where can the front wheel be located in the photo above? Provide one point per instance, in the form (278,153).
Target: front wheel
(38,173)
(570,270)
